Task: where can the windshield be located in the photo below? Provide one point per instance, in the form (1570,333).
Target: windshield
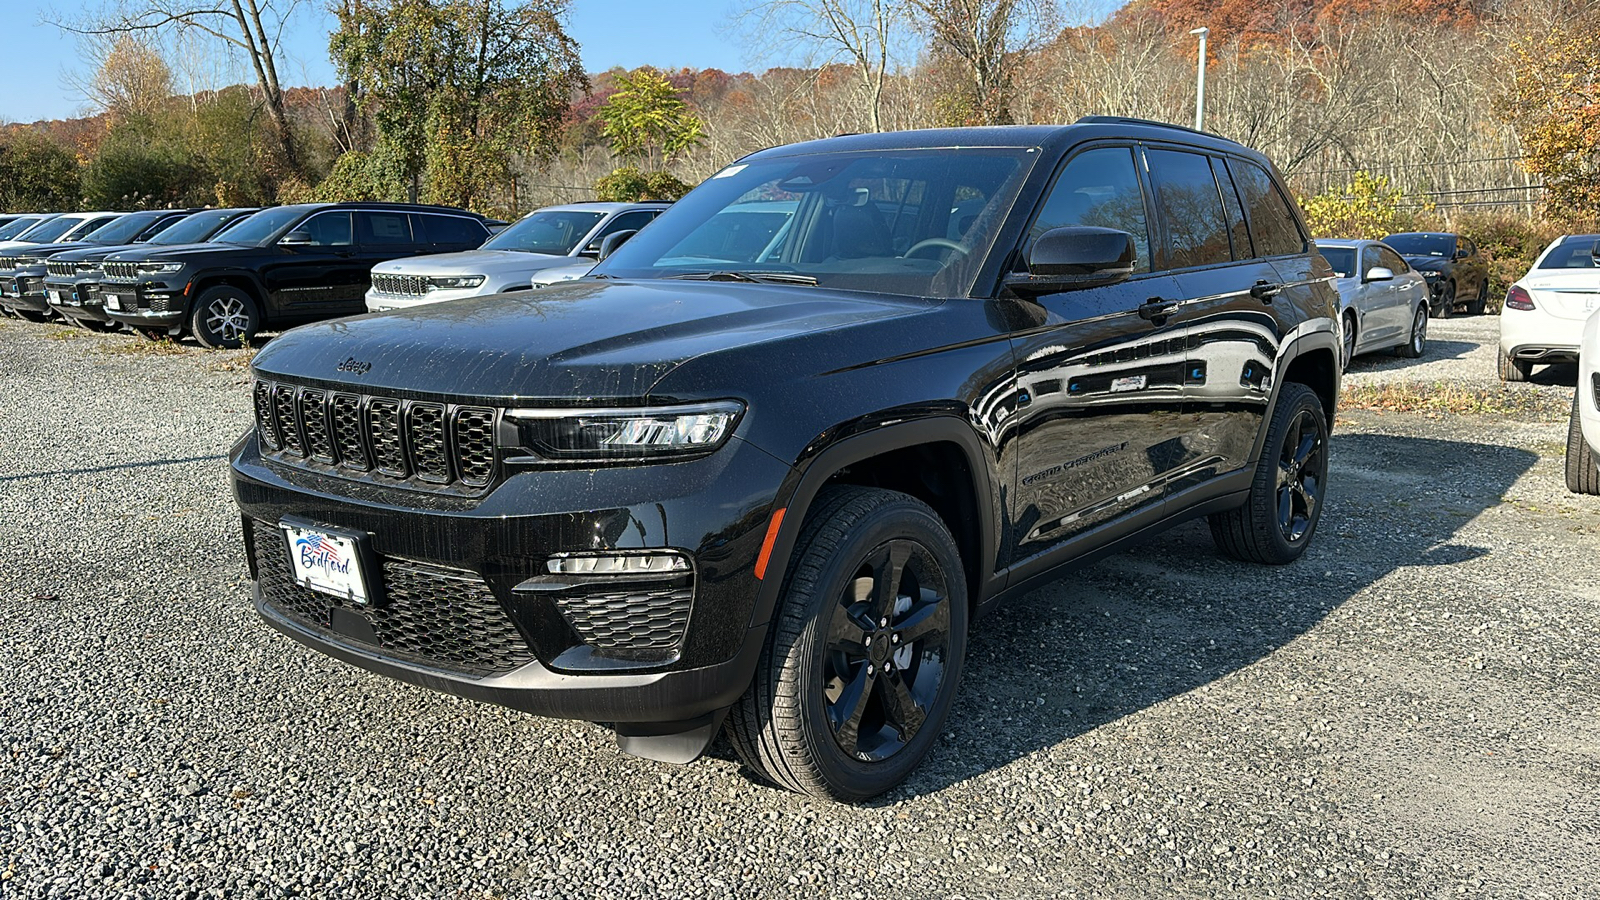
(198,227)
(1342,259)
(1443,245)
(47,232)
(18,226)
(1576,252)
(916,222)
(555,231)
(123,229)
(257,229)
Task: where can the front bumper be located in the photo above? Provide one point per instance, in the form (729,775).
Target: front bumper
(496,629)
(144,304)
(24,292)
(381,302)
(76,299)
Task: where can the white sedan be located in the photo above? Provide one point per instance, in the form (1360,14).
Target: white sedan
(1383,302)
(1583,432)
(1545,309)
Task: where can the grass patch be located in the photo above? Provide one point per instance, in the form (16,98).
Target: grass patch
(64,334)
(1441,398)
(139,345)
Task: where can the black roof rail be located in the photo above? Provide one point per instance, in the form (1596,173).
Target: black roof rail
(1152,123)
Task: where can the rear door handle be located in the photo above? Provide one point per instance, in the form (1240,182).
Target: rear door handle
(1156,309)
(1264,292)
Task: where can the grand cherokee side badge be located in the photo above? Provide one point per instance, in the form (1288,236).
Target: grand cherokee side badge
(354,366)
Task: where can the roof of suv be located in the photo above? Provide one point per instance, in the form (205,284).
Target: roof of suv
(1019,136)
(603,206)
(383,205)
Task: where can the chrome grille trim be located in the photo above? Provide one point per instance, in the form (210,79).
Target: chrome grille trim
(121,271)
(429,445)
(401,285)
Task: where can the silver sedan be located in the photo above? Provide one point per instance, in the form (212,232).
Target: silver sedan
(1383,301)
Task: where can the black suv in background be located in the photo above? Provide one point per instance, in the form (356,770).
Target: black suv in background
(22,271)
(1457,274)
(280,267)
(72,279)
(767,483)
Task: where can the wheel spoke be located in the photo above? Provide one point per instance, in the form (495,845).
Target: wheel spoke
(847,635)
(886,575)
(1286,505)
(926,620)
(845,713)
(899,707)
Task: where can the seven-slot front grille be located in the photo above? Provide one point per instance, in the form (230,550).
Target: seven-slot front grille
(122,271)
(60,269)
(446,618)
(402,285)
(432,444)
(10,262)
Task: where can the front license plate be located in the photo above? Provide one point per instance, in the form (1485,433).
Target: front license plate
(326,562)
(113,301)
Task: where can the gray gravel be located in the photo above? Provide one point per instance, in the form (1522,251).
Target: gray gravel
(1410,711)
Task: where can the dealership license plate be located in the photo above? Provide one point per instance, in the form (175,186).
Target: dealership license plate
(326,562)
(113,301)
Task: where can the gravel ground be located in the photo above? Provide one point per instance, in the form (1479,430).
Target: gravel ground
(1409,711)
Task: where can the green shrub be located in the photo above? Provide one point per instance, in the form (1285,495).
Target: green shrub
(1365,209)
(629,185)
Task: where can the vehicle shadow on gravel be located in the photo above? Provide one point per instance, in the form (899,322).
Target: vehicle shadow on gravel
(1171,615)
(1384,361)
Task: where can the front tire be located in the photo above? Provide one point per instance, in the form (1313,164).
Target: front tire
(864,652)
(1583,469)
(1417,344)
(1277,522)
(224,318)
(1478,303)
(1512,369)
(1348,351)
(1447,301)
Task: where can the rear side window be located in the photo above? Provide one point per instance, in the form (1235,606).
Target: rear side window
(1191,209)
(1100,188)
(383,228)
(628,221)
(1272,225)
(1237,229)
(451,230)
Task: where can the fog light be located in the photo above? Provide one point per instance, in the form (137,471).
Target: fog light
(650,562)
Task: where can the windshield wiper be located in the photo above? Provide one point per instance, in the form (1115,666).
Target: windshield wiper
(750,277)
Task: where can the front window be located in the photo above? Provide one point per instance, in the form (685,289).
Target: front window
(14,228)
(194,229)
(916,222)
(553,231)
(48,232)
(1440,245)
(263,226)
(124,229)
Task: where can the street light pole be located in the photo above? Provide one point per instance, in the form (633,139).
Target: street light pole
(1200,81)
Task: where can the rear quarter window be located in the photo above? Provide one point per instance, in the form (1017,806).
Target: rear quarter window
(450,230)
(1272,224)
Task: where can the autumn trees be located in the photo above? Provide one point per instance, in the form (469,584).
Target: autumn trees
(1553,99)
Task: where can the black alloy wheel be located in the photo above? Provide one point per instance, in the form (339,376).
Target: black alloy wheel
(863,656)
(1414,347)
(1447,300)
(1279,518)
(1477,304)
(1349,349)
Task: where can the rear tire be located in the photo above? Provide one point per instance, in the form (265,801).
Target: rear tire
(224,318)
(1583,468)
(864,652)
(1277,522)
(1513,369)
(1348,351)
(1476,306)
(1417,343)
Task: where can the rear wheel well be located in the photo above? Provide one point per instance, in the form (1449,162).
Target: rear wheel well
(1318,370)
(939,475)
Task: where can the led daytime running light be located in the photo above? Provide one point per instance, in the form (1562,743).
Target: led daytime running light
(650,563)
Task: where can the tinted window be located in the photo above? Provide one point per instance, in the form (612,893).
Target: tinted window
(1191,209)
(330,229)
(51,230)
(1100,188)
(257,229)
(17,226)
(628,221)
(1391,260)
(1572,253)
(1369,259)
(197,227)
(1341,259)
(454,231)
(1443,245)
(89,227)
(380,228)
(1272,224)
(125,229)
(1237,230)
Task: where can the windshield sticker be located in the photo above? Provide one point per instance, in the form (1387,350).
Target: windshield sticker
(731,170)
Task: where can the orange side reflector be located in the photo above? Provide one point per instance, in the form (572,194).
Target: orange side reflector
(766,545)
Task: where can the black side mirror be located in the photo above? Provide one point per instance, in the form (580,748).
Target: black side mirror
(1073,258)
(610,243)
(300,237)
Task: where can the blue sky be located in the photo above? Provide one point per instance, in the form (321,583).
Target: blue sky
(37,67)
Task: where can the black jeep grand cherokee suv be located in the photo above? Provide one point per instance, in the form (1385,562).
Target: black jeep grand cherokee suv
(280,267)
(764,467)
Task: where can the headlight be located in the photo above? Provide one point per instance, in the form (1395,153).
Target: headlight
(159,268)
(454,282)
(643,433)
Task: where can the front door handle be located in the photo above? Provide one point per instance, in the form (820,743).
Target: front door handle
(1156,309)
(1264,292)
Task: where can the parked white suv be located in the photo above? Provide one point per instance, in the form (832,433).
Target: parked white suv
(555,236)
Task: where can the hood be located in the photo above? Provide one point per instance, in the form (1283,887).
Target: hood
(472,262)
(556,274)
(40,251)
(182,252)
(577,341)
(95,253)
(1428,263)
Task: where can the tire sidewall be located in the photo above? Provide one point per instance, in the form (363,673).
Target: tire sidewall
(211,340)
(850,777)
(1288,410)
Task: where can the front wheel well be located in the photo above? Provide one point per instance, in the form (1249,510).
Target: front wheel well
(1318,370)
(201,285)
(940,475)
